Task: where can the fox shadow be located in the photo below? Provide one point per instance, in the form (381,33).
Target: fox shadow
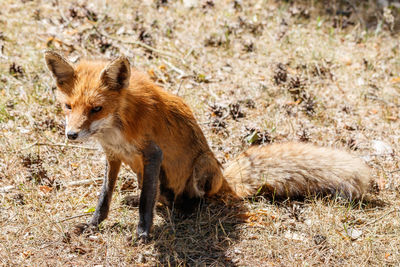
(201,237)
(200,233)
(204,235)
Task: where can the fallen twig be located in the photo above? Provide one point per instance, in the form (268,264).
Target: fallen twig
(381,217)
(176,69)
(61,145)
(84,182)
(73,217)
(137,43)
(79,215)
(7,189)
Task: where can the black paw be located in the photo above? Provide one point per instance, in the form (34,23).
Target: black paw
(142,236)
(84,228)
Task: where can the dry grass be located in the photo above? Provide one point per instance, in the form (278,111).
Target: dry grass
(314,71)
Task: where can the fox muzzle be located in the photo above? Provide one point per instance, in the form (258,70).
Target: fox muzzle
(72,135)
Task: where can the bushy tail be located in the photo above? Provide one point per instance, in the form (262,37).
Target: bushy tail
(297,170)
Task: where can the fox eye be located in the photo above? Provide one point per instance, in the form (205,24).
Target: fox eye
(96,109)
(67,106)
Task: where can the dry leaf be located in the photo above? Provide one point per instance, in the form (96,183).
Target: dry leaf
(391,118)
(294,103)
(128,185)
(151,73)
(395,80)
(45,189)
(381,182)
(27,253)
(74,165)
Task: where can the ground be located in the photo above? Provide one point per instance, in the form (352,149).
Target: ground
(254,72)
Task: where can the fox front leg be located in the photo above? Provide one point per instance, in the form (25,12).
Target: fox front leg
(103,204)
(153,156)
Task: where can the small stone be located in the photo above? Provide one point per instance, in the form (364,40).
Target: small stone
(354,234)
(319,239)
(141,258)
(381,148)
(93,237)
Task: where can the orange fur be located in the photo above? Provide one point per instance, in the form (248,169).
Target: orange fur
(142,112)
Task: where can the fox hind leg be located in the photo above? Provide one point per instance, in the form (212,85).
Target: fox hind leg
(207,178)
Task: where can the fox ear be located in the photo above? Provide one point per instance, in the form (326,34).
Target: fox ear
(61,69)
(117,74)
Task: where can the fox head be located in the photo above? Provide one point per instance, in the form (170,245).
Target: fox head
(89,92)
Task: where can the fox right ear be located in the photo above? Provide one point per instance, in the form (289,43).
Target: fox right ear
(61,69)
(117,74)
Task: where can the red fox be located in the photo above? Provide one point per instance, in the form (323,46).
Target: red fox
(156,134)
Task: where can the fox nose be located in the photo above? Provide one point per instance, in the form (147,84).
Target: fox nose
(72,135)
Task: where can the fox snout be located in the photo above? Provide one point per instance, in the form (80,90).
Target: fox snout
(71,135)
(76,127)
(75,134)
(79,128)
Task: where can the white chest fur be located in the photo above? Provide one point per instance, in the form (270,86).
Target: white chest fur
(113,141)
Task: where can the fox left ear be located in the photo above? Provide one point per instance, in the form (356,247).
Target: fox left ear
(61,69)
(117,74)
